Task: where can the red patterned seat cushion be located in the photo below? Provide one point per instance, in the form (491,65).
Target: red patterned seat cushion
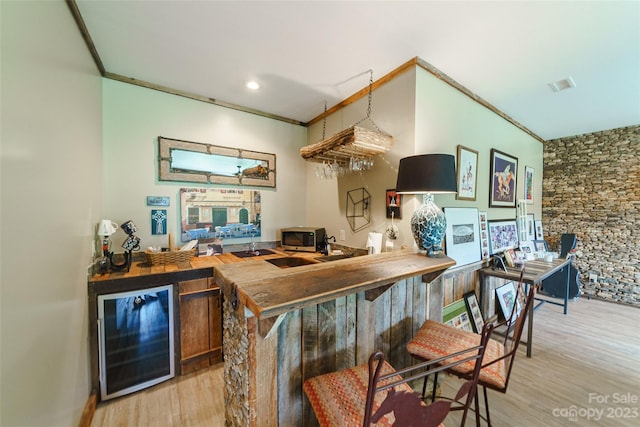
(435,340)
(338,398)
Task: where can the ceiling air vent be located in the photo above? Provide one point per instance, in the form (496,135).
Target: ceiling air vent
(562,84)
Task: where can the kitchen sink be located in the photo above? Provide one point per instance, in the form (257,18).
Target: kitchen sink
(288,262)
(332,257)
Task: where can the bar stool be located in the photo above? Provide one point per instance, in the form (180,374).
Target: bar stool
(434,339)
(377,393)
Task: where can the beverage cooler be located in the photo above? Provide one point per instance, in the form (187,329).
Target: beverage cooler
(136,348)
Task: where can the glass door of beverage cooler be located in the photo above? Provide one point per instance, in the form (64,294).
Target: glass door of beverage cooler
(136,340)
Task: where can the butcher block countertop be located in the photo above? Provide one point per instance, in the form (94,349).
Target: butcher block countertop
(269,291)
(197,267)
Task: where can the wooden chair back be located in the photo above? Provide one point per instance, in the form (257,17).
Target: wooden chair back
(408,408)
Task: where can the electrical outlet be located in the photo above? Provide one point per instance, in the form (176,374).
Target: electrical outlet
(343,236)
(593,278)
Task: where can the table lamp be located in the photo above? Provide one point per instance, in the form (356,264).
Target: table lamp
(105,229)
(428,174)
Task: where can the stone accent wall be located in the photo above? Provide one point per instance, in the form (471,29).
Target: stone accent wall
(591,187)
(236,367)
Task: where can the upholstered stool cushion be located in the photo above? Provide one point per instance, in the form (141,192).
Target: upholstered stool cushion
(435,340)
(338,398)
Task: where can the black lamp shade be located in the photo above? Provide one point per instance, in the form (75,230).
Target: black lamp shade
(427,173)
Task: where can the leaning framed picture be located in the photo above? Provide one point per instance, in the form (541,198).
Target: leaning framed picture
(456,315)
(506,296)
(477,322)
(462,236)
(531,230)
(467,173)
(503,234)
(539,234)
(502,187)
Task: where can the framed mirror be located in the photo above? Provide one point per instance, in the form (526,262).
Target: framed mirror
(187,161)
(208,214)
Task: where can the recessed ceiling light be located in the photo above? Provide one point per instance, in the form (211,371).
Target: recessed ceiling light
(562,84)
(253,85)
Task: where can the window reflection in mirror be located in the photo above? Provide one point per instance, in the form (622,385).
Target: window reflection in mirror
(211,164)
(208,214)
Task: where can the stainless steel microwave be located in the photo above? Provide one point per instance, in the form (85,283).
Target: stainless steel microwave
(304,239)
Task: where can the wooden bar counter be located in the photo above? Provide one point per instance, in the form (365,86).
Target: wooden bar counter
(284,325)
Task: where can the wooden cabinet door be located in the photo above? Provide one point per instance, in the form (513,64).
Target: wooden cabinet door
(200,324)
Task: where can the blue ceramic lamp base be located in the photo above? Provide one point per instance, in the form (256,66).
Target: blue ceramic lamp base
(428,226)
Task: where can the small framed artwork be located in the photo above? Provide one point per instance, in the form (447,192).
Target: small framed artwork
(477,322)
(528,183)
(456,315)
(502,187)
(158,221)
(541,246)
(506,296)
(527,248)
(484,235)
(462,237)
(539,235)
(531,228)
(503,234)
(394,203)
(157,201)
(467,173)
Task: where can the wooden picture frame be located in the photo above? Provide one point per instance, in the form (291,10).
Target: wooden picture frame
(462,237)
(477,322)
(529,173)
(503,234)
(467,171)
(503,180)
(394,204)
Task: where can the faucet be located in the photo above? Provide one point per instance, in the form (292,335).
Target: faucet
(327,246)
(252,245)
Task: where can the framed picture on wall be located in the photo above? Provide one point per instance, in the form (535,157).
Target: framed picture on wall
(528,183)
(502,187)
(394,202)
(467,173)
(503,235)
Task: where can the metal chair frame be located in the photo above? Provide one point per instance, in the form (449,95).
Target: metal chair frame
(378,383)
(515,326)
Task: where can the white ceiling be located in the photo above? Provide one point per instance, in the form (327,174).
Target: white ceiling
(304,53)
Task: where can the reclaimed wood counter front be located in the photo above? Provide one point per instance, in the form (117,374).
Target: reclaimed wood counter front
(282,326)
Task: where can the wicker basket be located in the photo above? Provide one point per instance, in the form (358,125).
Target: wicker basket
(173,257)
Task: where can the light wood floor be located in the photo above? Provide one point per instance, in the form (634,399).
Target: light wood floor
(587,362)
